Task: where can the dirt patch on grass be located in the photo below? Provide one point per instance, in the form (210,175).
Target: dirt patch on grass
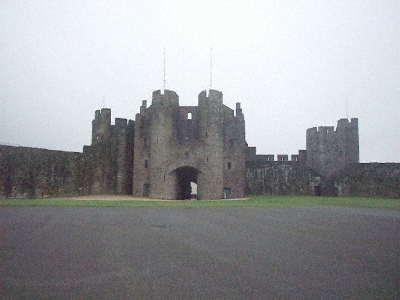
(131,198)
(113,197)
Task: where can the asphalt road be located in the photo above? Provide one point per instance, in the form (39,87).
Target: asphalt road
(199,253)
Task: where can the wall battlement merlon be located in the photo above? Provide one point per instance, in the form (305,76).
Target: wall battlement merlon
(143,107)
(102,115)
(326,129)
(239,111)
(166,97)
(165,93)
(342,124)
(169,97)
(265,158)
(211,96)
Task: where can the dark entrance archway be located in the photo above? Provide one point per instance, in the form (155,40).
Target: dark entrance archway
(317,190)
(185,176)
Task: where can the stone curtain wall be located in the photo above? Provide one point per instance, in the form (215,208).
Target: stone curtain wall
(357,180)
(369,180)
(31,172)
(279,178)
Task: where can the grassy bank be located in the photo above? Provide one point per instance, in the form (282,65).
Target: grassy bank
(255,201)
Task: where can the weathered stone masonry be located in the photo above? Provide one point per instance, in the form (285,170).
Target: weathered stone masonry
(105,167)
(330,166)
(373,179)
(32,172)
(169,147)
(110,157)
(268,176)
(330,150)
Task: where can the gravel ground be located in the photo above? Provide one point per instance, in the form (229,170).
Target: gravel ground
(199,253)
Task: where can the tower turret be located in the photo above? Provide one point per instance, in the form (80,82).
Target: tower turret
(330,150)
(168,98)
(211,118)
(101,125)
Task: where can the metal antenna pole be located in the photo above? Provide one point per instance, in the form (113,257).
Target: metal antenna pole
(164,73)
(211,57)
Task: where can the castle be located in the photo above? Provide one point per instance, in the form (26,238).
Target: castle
(194,152)
(170,149)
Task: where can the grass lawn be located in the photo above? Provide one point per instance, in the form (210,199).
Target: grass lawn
(255,201)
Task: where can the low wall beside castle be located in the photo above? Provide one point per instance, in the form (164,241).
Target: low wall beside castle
(369,180)
(32,172)
(293,178)
(280,178)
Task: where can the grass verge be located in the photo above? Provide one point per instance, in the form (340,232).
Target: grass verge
(253,201)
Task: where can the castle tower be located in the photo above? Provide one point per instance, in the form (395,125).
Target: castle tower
(211,184)
(348,142)
(162,143)
(329,150)
(109,158)
(234,148)
(154,139)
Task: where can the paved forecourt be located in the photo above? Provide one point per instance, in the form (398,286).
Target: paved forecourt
(199,253)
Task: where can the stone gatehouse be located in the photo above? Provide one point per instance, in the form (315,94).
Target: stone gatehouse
(178,147)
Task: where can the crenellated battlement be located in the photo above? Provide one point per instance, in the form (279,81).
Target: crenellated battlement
(213,96)
(168,98)
(102,116)
(253,159)
(321,130)
(342,125)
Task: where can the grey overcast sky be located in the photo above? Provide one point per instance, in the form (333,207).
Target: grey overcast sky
(292,65)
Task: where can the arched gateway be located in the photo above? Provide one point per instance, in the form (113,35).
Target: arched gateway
(185,177)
